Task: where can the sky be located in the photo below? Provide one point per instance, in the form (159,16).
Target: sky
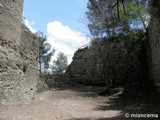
(62,21)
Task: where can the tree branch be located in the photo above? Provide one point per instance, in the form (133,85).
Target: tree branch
(124,9)
(118,9)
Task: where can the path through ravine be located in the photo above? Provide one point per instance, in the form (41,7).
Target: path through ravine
(78,103)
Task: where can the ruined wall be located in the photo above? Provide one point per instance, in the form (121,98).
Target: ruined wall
(14,84)
(107,59)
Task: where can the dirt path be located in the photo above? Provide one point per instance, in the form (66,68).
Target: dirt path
(59,105)
(79,103)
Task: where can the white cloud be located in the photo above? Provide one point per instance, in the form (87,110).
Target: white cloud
(64,39)
(29,25)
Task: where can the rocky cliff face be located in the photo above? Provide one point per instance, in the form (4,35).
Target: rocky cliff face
(154,34)
(85,67)
(29,52)
(16,82)
(110,59)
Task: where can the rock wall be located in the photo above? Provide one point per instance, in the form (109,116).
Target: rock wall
(16,84)
(154,35)
(10,19)
(85,67)
(29,55)
(113,58)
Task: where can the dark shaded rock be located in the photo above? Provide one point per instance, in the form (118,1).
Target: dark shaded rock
(115,61)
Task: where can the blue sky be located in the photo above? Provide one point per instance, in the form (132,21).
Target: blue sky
(59,20)
(69,12)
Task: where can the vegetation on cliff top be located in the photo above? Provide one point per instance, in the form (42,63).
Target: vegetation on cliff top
(119,18)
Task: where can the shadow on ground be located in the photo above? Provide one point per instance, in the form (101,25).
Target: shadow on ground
(85,91)
(126,103)
(145,104)
(113,118)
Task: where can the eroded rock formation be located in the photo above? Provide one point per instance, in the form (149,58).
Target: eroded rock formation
(18,55)
(114,59)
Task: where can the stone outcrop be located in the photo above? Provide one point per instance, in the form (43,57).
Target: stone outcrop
(18,55)
(86,67)
(113,58)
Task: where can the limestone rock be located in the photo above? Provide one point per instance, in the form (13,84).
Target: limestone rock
(16,48)
(107,59)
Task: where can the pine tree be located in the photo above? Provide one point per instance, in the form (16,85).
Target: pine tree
(115,17)
(45,53)
(60,65)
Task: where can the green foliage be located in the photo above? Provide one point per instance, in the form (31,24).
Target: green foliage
(45,53)
(101,20)
(125,22)
(93,41)
(136,34)
(60,65)
(134,11)
(113,18)
(25,67)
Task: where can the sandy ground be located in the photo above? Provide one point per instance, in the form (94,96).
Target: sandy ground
(76,104)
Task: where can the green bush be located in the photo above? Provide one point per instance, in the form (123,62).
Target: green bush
(93,41)
(25,67)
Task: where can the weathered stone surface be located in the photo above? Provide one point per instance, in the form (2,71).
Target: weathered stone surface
(115,61)
(88,63)
(41,85)
(29,55)
(16,85)
(10,19)
(154,35)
